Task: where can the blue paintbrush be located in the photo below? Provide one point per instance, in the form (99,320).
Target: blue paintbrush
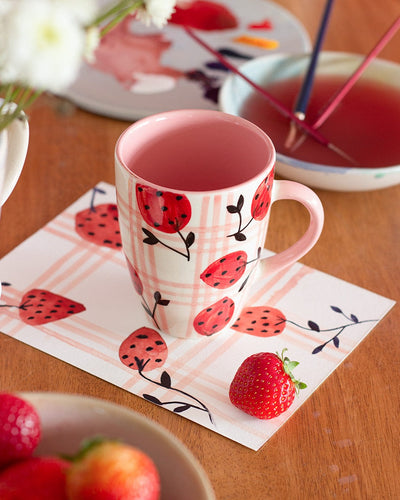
(306,88)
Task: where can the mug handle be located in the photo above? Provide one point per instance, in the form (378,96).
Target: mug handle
(289,190)
(17,147)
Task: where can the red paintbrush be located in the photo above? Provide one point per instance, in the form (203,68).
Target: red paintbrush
(271,99)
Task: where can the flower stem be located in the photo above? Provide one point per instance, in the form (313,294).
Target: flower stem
(118,12)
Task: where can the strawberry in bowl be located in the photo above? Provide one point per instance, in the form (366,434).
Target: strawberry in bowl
(20,429)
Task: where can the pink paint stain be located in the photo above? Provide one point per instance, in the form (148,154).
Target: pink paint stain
(124,54)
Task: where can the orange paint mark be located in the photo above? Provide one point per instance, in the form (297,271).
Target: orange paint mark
(262,43)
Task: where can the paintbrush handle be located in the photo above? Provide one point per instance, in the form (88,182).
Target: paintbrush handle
(271,99)
(305,91)
(331,105)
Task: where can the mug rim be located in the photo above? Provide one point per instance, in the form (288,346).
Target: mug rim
(223,116)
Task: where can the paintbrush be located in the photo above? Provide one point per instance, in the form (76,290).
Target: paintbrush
(339,95)
(304,95)
(270,98)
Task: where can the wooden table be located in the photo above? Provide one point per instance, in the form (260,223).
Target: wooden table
(344,441)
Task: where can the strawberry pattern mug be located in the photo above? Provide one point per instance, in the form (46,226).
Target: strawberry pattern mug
(194,191)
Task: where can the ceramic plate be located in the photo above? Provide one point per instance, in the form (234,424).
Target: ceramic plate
(148,71)
(68,419)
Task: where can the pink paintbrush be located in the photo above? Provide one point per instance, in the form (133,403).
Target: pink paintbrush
(274,102)
(331,105)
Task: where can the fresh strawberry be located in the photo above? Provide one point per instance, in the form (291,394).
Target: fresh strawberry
(20,429)
(38,307)
(204,15)
(35,478)
(264,386)
(261,321)
(166,211)
(262,198)
(99,223)
(226,271)
(144,349)
(214,318)
(111,470)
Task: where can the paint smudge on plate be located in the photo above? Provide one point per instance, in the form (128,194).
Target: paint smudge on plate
(147,83)
(204,15)
(262,43)
(128,56)
(265,24)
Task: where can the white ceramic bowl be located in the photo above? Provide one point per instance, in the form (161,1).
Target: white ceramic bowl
(69,419)
(263,70)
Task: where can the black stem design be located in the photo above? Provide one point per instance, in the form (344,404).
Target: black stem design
(158,300)
(237,209)
(94,192)
(151,239)
(166,383)
(22,306)
(327,329)
(250,273)
(313,327)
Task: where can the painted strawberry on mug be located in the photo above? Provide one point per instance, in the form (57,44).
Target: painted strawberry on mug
(99,223)
(226,271)
(38,307)
(214,318)
(262,199)
(138,286)
(260,205)
(167,212)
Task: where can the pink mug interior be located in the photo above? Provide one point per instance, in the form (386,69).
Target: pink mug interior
(195,150)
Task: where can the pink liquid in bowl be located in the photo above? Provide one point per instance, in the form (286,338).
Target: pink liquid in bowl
(366,124)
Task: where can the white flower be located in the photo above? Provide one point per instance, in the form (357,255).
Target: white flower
(41,44)
(156,11)
(91,43)
(84,10)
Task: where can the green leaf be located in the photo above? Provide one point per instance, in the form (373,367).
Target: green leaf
(291,365)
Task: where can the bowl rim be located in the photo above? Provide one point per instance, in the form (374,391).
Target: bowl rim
(82,400)
(223,103)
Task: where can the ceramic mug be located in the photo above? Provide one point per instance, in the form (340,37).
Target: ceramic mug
(194,191)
